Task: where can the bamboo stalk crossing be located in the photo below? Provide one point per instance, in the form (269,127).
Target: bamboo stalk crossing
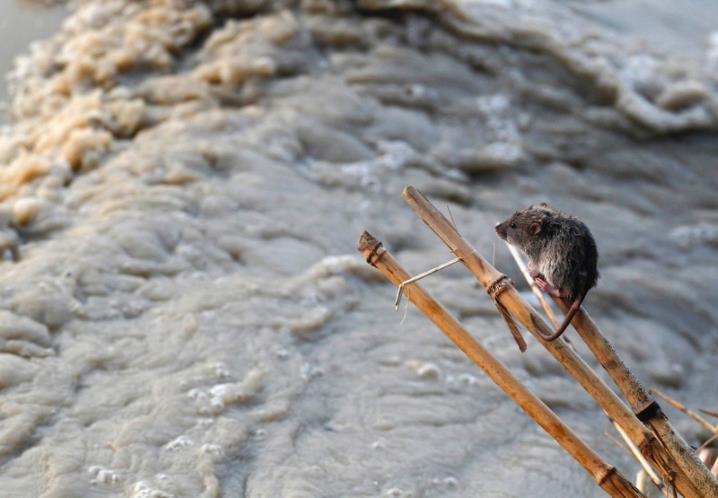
(667,452)
(605,475)
(669,455)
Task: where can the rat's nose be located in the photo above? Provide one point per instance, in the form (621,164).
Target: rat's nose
(500,230)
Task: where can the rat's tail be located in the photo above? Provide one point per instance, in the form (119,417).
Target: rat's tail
(575,306)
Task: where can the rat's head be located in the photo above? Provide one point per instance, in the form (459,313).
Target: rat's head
(526,227)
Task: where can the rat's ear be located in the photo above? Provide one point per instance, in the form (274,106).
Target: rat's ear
(535,228)
(544,204)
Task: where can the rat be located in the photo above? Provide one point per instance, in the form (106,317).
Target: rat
(563,258)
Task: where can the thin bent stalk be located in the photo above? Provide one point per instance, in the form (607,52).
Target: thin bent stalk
(683,408)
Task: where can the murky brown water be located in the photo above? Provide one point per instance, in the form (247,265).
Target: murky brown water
(185,183)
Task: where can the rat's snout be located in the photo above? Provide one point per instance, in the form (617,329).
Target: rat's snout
(500,230)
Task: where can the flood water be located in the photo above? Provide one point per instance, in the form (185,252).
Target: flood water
(183,309)
(21,23)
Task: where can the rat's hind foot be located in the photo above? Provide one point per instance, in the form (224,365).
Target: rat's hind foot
(547,288)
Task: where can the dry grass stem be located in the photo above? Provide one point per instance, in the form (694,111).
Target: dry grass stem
(629,447)
(683,408)
(618,442)
(707,442)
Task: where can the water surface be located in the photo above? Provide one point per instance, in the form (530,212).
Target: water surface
(22,22)
(183,309)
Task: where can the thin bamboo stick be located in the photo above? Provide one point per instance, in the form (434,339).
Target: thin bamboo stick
(707,443)
(629,446)
(605,475)
(642,460)
(532,285)
(672,458)
(683,408)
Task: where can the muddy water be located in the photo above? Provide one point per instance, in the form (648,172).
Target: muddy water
(183,310)
(22,22)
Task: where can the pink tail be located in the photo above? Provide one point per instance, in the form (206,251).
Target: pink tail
(575,306)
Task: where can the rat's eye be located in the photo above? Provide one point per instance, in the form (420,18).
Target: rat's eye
(513,225)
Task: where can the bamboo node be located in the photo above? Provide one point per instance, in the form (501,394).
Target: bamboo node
(605,474)
(647,412)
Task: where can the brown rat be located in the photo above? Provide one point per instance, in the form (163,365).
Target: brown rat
(562,254)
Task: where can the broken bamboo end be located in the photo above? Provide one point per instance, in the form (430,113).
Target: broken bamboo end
(369,247)
(409,192)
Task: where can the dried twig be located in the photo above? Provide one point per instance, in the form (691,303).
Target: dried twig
(707,442)
(683,408)
(646,473)
(418,277)
(618,442)
(629,447)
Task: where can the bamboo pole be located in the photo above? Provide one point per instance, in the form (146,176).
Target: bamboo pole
(606,476)
(629,446)
(643,405)
(672,458)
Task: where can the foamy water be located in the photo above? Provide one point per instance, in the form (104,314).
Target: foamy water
(183,311)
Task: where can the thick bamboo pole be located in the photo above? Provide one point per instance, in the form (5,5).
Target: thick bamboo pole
(605,475)
(645,408)
(674,462)
(632,449)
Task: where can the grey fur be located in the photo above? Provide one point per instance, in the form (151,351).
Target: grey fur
(562,249)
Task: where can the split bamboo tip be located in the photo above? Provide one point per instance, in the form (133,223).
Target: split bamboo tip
(367,242)
(409,191)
